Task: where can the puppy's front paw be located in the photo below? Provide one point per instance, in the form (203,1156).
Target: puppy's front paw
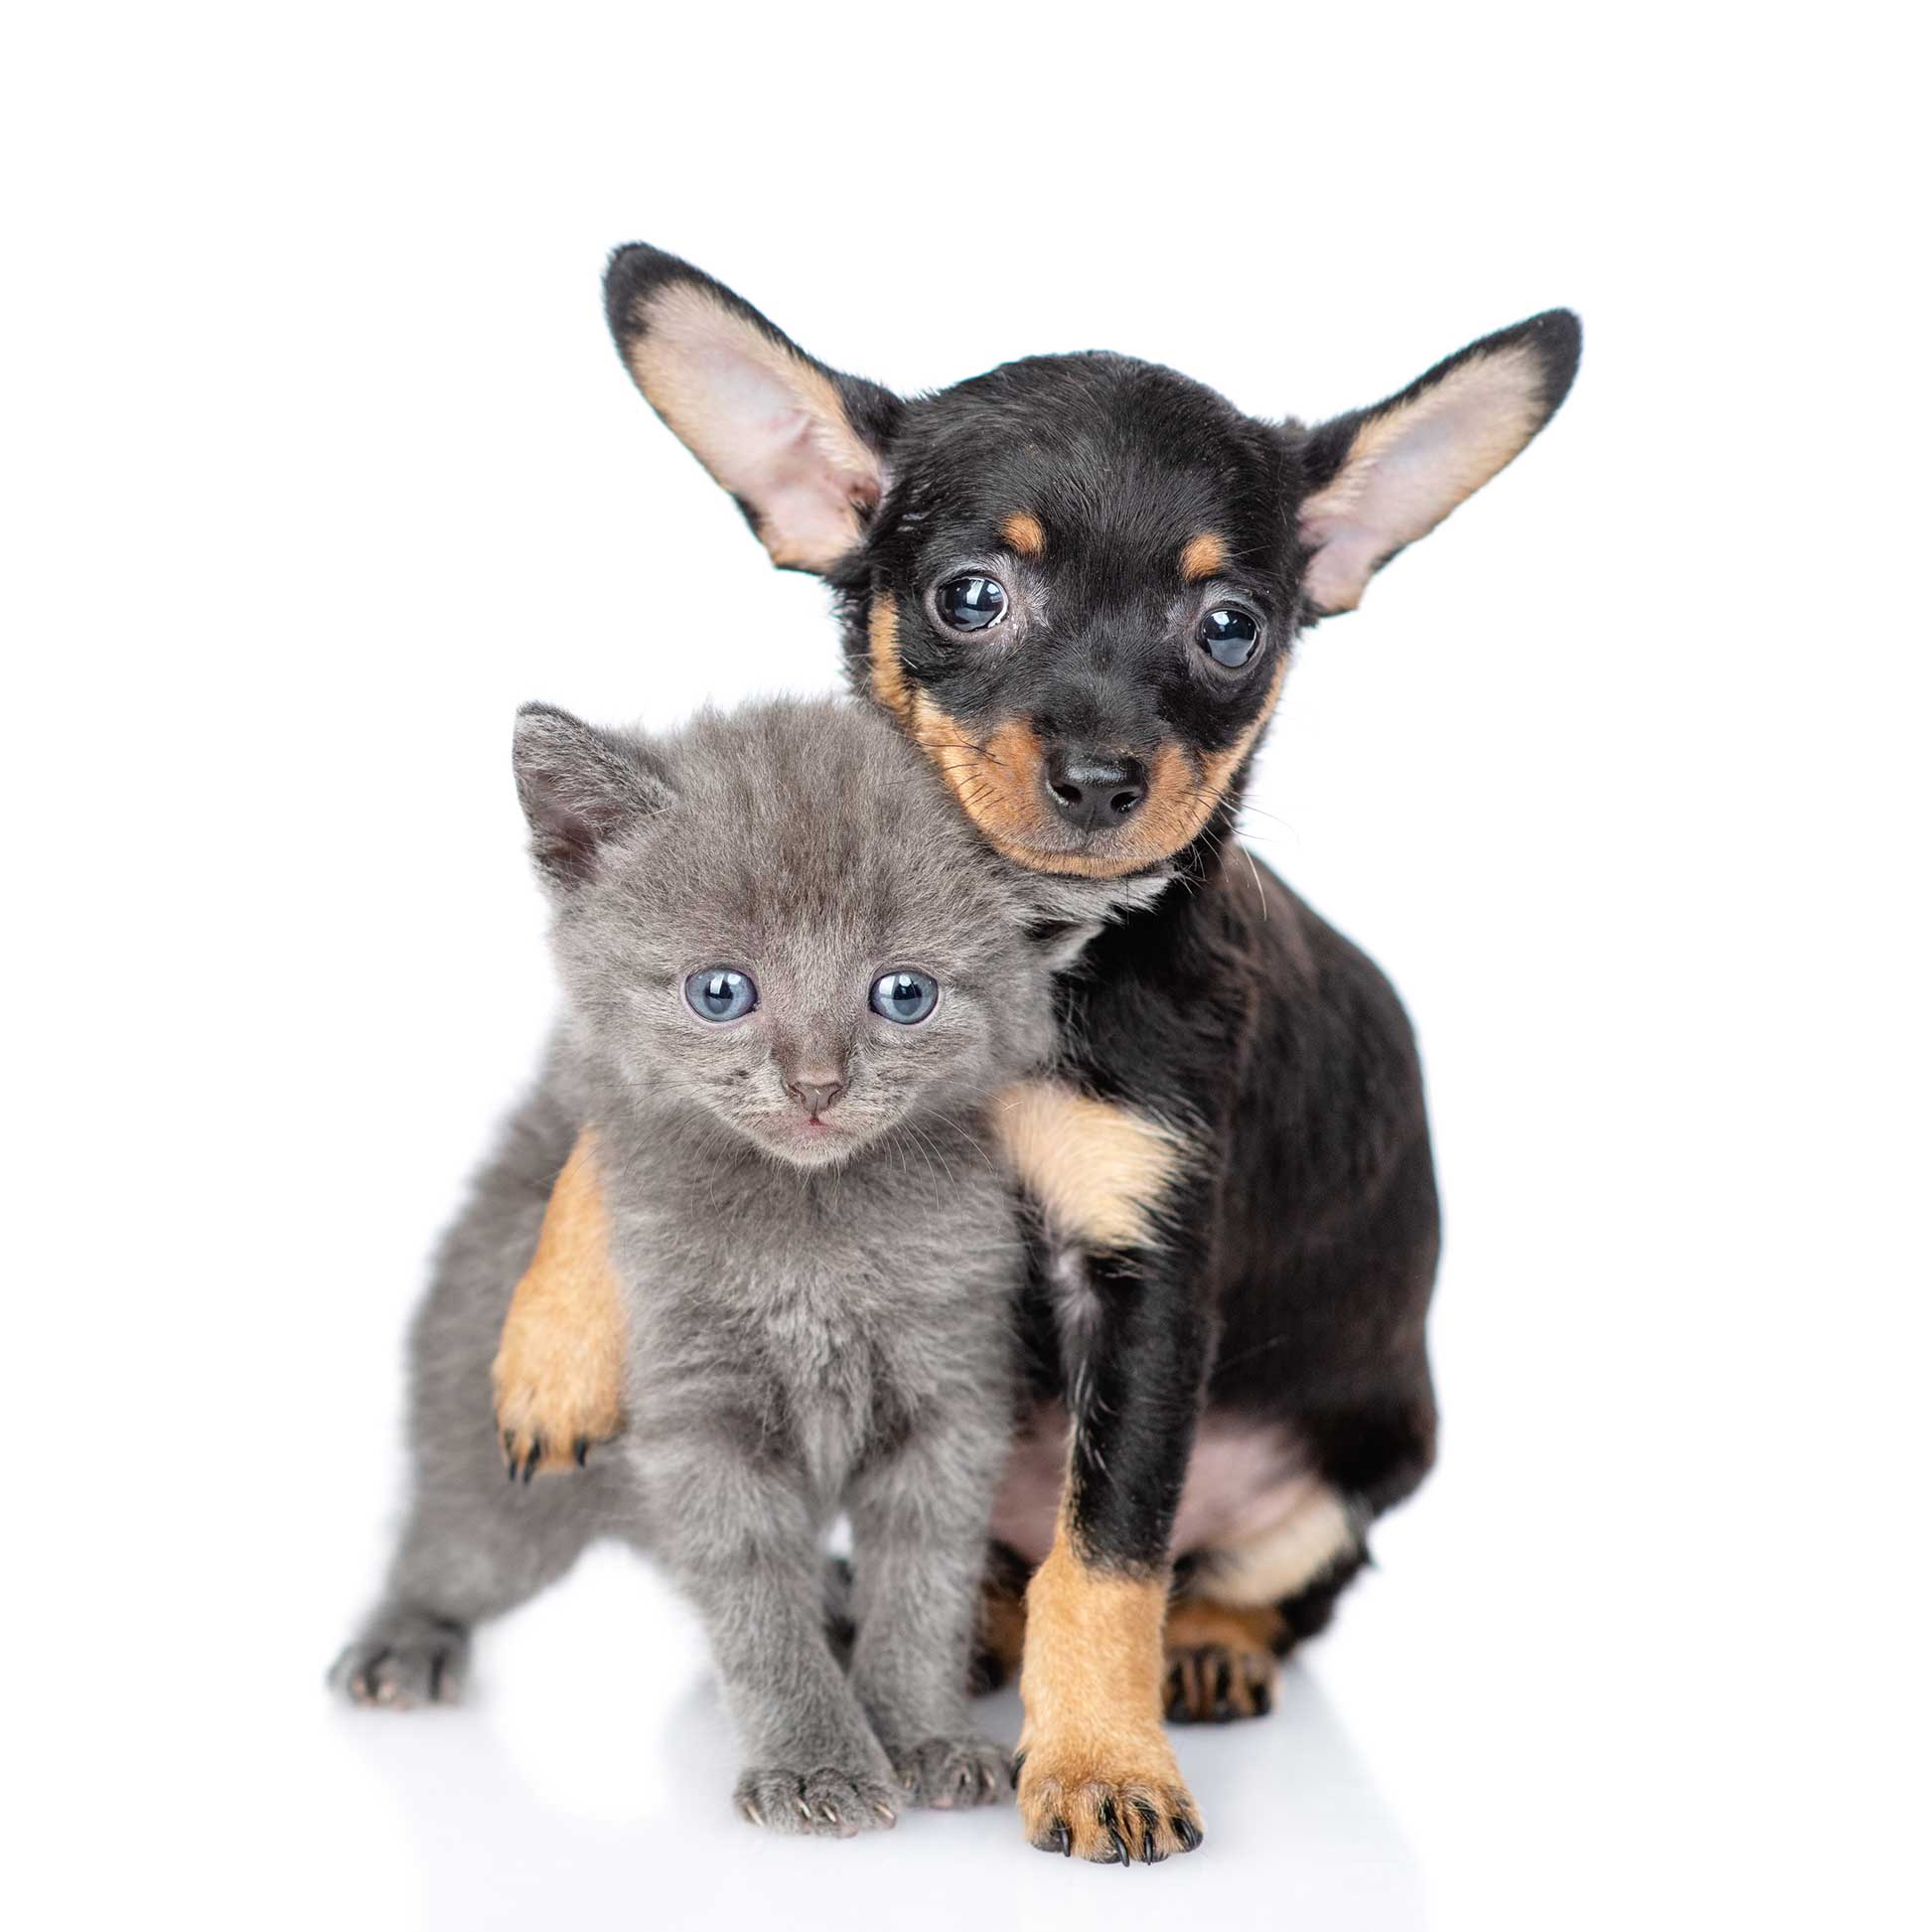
(557,1391)
(396,1667)
(1082,1800)
(953,1773)
(823,1803)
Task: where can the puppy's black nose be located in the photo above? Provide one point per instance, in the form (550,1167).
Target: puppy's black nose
(1094,789)
(817,1095)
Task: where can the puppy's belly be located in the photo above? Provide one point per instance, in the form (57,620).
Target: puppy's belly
(1245,1481)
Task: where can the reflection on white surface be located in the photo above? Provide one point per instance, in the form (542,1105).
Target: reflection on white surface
(495,1830)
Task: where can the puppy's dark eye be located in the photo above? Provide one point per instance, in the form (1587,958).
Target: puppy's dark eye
(1230,636)
(720,993)
(906,998)
(970,603)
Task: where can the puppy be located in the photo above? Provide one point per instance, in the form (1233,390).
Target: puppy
(1075,584)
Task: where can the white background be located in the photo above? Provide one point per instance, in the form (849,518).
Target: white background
(316,461)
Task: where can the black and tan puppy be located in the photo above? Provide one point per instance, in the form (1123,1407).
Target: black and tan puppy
(1076,582)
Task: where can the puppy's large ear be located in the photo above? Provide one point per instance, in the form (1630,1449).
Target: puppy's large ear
(579,787)
(797,446)
(1380,478)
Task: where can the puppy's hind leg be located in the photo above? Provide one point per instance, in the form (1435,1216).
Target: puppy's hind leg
(1245,1604)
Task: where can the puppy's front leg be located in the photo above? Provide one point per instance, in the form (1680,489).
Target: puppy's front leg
(739,1537)
(1097,1778)
(557,1378)
(920,1519)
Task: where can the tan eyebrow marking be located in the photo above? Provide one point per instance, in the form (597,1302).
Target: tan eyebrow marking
(1204,556)
(1023,532)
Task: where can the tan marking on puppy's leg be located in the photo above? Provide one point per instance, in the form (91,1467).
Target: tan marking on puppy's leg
(885,677)
(1270,1565)
(1023,533)
(1100,1173)
(1221,1661)
(1098,1779)
(559,1375)
(1204,556)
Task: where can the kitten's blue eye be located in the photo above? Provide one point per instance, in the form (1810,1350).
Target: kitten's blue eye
(906,998)
(970,603)
(720,993)
(1228,636)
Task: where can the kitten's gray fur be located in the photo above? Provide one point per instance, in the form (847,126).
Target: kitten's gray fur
(817,1323)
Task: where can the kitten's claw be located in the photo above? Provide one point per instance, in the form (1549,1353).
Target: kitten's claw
(412,1660)
(817,1803)
(951,1773)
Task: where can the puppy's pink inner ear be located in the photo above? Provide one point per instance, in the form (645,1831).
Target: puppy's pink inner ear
(767,424)
(1412,464)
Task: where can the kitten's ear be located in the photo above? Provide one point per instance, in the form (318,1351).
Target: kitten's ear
(579,787)
(800,448)
(1378,479)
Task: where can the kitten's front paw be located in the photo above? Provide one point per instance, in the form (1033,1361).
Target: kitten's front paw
(558,1392)
(822,1803)
(411,1661)
(953,1773)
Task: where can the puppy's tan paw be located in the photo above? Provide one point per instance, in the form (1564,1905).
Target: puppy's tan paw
(1214,1683)
(1221,1662)
(557,1387)
(1107,1806)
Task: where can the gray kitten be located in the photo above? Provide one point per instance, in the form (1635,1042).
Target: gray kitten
(793,981)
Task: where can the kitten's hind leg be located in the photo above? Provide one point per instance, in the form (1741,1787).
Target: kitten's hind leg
(404,1657)
(468,1555)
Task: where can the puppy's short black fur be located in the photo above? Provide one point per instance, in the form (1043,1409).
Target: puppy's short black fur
(1076,582)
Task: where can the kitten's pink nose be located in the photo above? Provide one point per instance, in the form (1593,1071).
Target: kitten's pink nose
(817,1096)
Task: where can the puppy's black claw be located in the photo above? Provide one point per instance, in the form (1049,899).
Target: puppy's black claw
(1188,1834)
(1149,1849)
(1059,1838)
(1109,1819)
(1014,1769)
(1260,1700)
(530,1461)
(582,1450)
